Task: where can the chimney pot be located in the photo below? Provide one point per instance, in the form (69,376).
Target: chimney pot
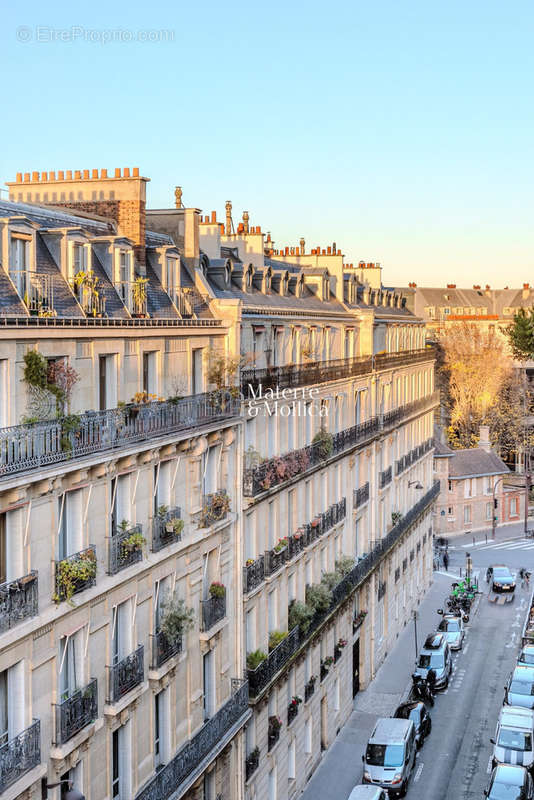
(302,246)
(69,175)
(19,177)
(178,197)
(117,172)
(484,440)
(339,252)
(324,252)
(228,207)
(329,251)
(451,286)
(126,172)
(35,176)
(214,216)
(86,174)
(135,172)
(52,176)
(94,174)
(61,175)
(103,173)
(526,286)
(245,221)
(488,286)
(44,177)
(77,175)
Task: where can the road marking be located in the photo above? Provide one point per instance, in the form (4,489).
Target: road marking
(418,773)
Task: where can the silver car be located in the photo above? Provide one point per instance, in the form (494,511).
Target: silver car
(526,656)
(519,691)
(452,627)
(368,793)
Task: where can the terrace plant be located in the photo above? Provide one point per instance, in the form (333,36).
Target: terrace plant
(71,572)
(319,597)
(300,614)
(176,618)
(275,637)
(323,442)
(255,658)
(217,590)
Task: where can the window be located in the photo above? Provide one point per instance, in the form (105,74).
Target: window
(121,633)
(272,784)
(290,511)
(208,672)
(160,726)
(150,373)
(467,514)
(208,786)
(513,507)
(489,507)
(170,277)
(431,312)
(115,768)
(70,664)
(19,262)
(70,523)
(337,703)
(121,508)
(308,736)
(79,258)
(4,715)
(12,716)
(450,486)
(291,760)
(450,511)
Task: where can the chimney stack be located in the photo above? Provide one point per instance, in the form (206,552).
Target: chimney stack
(228,218)
(178,197)
(245,222)
(302,244)
(484,440)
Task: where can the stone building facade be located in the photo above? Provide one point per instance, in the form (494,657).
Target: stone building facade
(160,523)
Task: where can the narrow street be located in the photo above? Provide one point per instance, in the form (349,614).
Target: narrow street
(454,762)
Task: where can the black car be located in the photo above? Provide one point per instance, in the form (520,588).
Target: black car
(510,782)
(418,713)
(500,578)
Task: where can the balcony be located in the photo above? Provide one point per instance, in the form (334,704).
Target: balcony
(168,780)
(36,290)
(40,444)
(215,508)
(126,674)
(167,528)
(19,755)
(292,712)
(77,711)
(309,688)
(75,573)
(189,302)
(261,677)
(163,648)
(361,495)
(254,381)
(414,455)
(90,294)
(18,600)
(125,548)
(253,574)
(275,560)
(279,470)
(213,611)
(384,478)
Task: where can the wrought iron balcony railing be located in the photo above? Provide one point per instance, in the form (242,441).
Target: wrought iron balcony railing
(166,528)
(252,763)
(163,648)
(309,689)
(361,495)
(126,674)
(76,711)
(414,455)
(254,381)
(213,611)
(253,574)
(278,470)
(35,289)
(292,711)
(19,755)
(189,301)
(125,548)
(92,298)
(169,778)
(384,478)
(215,508)
(39,444)
(18,600)
(294,642)
(75,573)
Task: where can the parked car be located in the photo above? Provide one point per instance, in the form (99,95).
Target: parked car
(453,627)
(512,783)
(390,755)
(519,691)
(514,736)
(418,713)
(435,655)
(526,656)
(500,578)
(368,793)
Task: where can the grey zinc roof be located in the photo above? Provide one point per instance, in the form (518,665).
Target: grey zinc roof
(54,218)
(475,462)
(256,299)
(153,239)
(441,449)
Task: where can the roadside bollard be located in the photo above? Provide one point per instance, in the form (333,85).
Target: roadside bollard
(486,538)
(473,541)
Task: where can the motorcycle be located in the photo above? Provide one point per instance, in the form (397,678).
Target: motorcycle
(421,689)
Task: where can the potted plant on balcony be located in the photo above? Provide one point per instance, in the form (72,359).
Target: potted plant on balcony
(323,442)
(300,614)
(139,287)
(342,643)
(71,572)
(396,517)
(132,543)
(275,637)
(249,562)
(280,545)
(217,590)
(255,658)
(215,509)
(273,730)
(296,700)
(176,618)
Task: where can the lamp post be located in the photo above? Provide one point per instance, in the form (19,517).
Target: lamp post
(415,631)
(494,516)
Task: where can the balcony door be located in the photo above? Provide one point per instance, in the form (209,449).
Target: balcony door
(197,371)
(70,665)
(121,638)
(208,674)
(107,381)
(12,717)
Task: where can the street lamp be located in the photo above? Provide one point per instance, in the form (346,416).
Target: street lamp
(415,631)
(494,517)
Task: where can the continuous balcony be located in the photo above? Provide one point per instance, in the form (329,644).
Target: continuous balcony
(255,382)
(19,755)
(125,548)
(175,777)
(77,711)
(384,478)
(18,600)
(266,672)
(163,648)
(37,445)
(414,455)
(167,528)
(253,574)
(213,611)
(279,470)
(126,674)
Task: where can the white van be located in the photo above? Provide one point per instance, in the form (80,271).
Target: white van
(390,756)
(514,736)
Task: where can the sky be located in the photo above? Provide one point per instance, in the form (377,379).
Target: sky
(401,131)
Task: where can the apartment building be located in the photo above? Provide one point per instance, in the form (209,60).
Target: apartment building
(196,561)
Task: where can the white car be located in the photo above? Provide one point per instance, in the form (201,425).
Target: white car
(452,627)
(368,793)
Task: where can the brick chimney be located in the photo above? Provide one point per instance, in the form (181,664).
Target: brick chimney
(526,291)
(451,286)
(121,197)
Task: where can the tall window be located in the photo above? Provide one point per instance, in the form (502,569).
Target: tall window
(79,258)
(19,261)
(158,724)
(115,764)
(513,507)
(4,714)
(71,662)
(70,523)
(121,638)
(209,684)
(467,514)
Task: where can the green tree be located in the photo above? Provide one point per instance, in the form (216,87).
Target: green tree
(521,334)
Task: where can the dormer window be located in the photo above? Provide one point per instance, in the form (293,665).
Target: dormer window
(431,311)
(171,276)
(80,258)
(284,284)
(124,260)
(248,280)
(19,261)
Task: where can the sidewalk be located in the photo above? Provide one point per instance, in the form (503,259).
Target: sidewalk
(341,767)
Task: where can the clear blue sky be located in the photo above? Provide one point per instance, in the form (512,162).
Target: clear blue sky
(402,131)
